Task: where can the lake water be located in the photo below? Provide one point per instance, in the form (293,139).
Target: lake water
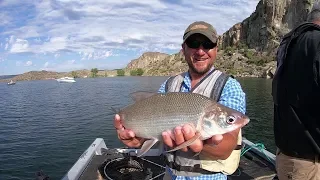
(46,125)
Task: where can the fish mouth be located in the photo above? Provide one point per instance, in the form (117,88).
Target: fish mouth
(246,120)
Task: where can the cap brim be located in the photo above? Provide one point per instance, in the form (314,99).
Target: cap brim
(211,36)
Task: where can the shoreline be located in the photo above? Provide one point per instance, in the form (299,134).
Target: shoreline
(53,79)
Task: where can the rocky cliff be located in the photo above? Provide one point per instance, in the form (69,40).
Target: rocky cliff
(146,60)
(170,65)
(271,20)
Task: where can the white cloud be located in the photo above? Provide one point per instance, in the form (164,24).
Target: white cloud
(108,53)
(18,63)
(20,45)
(96,55)
(10,40)
(71,61)
(54,45)
(64,66)
(4,3)
(28,63)
(46,65)
(5,19)
(97,28)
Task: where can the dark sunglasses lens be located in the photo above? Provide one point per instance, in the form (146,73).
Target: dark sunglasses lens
(196,44)
(208,45)
(193,44)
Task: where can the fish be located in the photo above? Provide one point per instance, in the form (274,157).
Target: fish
(153,113)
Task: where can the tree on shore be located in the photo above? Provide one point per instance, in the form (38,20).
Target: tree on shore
(94,72)
(137,72)
(74,74)
(140,72)
(120,72)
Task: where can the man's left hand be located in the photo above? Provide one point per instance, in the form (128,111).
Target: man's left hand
(185,133)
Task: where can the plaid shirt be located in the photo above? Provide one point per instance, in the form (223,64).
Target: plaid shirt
(232,96)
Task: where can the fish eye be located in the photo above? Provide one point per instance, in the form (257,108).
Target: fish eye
(207,123)
(231,120)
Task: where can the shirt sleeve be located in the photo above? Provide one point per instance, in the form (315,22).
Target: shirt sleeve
(317,67)
(233,96)
(162,88)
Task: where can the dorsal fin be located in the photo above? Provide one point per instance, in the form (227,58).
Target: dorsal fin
(140,95)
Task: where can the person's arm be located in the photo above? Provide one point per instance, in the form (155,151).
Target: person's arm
(317,66)
(222,149)
(318,70)
(233,97)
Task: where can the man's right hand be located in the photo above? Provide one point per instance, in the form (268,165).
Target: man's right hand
(126,136)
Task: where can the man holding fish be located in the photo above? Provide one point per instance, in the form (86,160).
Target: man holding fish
(198,114)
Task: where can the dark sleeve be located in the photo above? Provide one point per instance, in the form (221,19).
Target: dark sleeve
(316,61)
(317,67)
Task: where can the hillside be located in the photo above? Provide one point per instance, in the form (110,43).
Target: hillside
(44,75)
(238,61)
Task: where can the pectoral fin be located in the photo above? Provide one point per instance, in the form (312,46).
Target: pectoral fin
(187,143)
(146,146)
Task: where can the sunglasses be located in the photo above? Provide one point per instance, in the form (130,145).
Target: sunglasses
(195,44)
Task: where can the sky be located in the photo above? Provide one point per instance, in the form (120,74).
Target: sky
(66,35)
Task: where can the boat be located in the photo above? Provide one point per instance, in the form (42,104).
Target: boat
(11,82)
(100,162)
(66,79)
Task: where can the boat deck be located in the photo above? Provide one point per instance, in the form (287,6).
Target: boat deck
(251,166)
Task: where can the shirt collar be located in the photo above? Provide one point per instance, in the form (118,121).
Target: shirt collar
(187,78)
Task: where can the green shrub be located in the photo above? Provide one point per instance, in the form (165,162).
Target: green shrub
(120,72)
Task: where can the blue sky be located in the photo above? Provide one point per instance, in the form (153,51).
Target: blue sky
(66,35)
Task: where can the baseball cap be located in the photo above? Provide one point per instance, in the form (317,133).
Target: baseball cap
(203,28)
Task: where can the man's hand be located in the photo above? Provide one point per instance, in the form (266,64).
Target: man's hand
(126,136)
(184,133)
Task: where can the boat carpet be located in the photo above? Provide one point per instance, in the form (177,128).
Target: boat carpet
(251,167)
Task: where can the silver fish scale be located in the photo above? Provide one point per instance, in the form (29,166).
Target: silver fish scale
(150,117)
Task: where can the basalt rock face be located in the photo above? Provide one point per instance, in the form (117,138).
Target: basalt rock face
(267,24)
(171,65)
(159,64)
(147,59)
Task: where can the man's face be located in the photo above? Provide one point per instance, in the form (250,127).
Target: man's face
(200,53)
